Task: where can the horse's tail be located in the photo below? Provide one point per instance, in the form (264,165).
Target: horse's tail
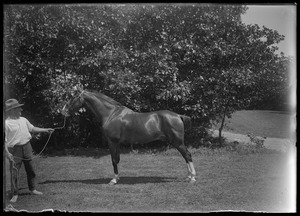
(186,121)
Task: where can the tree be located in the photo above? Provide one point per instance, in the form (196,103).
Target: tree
(199,60)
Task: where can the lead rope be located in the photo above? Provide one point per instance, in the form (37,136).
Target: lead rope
(57,128)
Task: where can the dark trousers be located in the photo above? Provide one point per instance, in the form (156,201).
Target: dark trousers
(23,154)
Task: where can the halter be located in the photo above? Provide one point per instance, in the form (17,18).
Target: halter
(80,98)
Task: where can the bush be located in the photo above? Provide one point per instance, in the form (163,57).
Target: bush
(257,141)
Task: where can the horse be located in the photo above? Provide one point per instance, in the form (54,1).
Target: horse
(123,125)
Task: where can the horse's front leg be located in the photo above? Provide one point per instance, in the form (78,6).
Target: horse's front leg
(115,157)
(116,172)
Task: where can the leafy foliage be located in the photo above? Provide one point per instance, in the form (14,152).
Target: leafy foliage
(198,60)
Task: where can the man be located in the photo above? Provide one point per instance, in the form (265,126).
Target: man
(17,144)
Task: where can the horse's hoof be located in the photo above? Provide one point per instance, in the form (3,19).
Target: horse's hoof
(188,179)
(192,181)
(113,182)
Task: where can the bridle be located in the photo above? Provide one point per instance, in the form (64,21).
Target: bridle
(66,112)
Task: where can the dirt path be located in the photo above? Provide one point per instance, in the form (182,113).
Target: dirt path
(279,144)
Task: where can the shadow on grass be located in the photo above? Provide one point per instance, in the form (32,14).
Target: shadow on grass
(123,180)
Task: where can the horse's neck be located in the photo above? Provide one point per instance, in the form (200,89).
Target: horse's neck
(98,107)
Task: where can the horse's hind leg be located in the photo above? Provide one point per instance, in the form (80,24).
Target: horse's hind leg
(115,157)
(179,145)
(188,158)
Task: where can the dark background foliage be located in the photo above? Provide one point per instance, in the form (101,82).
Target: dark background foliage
(197,60)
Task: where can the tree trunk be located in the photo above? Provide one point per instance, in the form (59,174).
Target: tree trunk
(220,130)
(222,124)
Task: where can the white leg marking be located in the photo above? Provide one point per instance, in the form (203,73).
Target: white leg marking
(114,180)
(192,172)
(188,178)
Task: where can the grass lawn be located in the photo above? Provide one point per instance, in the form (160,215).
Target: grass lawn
(260,123)
(226,180)
(155,183)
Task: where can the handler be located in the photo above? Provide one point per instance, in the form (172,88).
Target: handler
(17,144)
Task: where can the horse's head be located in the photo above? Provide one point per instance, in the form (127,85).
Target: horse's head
(73,105)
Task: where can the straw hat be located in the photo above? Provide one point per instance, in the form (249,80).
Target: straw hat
(12,104)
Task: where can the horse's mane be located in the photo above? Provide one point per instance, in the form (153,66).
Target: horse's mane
(102,96)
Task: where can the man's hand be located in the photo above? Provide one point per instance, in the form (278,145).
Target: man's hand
(49,130)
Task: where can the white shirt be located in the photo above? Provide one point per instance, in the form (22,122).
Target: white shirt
(17,131)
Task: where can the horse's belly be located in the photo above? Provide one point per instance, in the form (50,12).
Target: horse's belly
(143,135)
(144,139)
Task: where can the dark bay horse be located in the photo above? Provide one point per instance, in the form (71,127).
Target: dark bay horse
(120,124)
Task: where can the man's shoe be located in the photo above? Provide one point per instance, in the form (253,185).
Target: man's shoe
(35,192)
(14,199)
